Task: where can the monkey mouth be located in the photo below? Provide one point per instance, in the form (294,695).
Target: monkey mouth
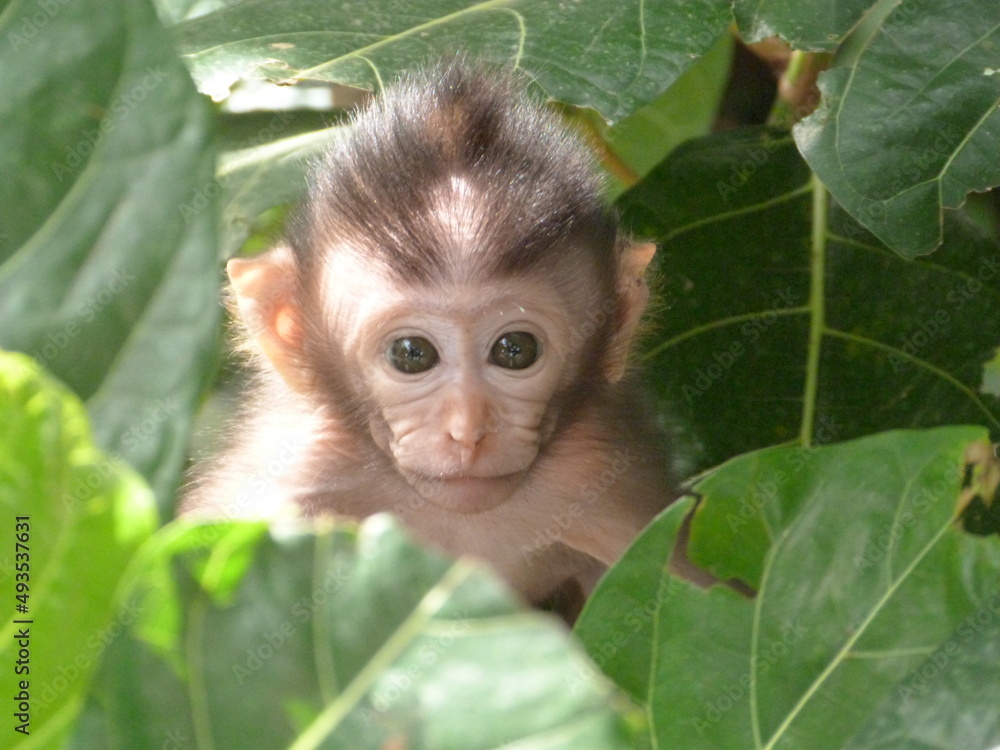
(461,493)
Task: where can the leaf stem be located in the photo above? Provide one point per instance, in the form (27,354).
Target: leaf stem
(197,687)
(817,307)
(797,92)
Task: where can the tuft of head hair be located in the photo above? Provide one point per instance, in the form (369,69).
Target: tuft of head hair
(457,171)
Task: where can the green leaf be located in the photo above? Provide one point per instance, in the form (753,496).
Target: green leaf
(782,320)
(909,126)
(350,638)
(77,518)
(950,695)
(606,54)
(256,178)
(685,110)
(861,575)
(107,270)
(817,25)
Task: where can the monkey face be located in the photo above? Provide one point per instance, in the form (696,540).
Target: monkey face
(460,381)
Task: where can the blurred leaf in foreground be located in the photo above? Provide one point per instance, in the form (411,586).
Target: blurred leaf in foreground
(347,638)
(79,518)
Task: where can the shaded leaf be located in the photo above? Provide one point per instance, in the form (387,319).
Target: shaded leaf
(685,110)
(770,333)
(107,271)
(909,126)
(79,517)
(618,624)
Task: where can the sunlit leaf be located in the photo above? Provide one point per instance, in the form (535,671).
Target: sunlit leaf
(606,54)
(74,518)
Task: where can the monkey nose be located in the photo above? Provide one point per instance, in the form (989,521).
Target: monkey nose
(467,436)
(466,431)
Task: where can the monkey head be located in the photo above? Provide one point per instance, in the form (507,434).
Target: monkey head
(454,287)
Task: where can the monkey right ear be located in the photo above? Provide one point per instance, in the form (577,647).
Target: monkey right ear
(634,294)
(264,290)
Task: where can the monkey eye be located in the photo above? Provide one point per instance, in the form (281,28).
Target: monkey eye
(515,350)
(412,354)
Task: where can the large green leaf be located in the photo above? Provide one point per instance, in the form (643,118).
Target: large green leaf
(782,320)
(909,125)
(606,54)
(863,582)
(72,520)
(346,639)
(108,273)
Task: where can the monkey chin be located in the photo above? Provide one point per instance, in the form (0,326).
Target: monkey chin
(464,494)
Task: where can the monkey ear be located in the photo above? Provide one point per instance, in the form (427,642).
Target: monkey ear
(633,291)
(263,287)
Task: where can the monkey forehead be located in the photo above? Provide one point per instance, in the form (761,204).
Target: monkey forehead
(363,297)
(456,212)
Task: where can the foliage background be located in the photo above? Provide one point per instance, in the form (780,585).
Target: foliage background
(820,283)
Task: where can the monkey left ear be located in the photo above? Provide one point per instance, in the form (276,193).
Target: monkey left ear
(263,290)
(633,291)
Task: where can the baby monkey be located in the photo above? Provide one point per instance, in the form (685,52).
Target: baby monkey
(445,336)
